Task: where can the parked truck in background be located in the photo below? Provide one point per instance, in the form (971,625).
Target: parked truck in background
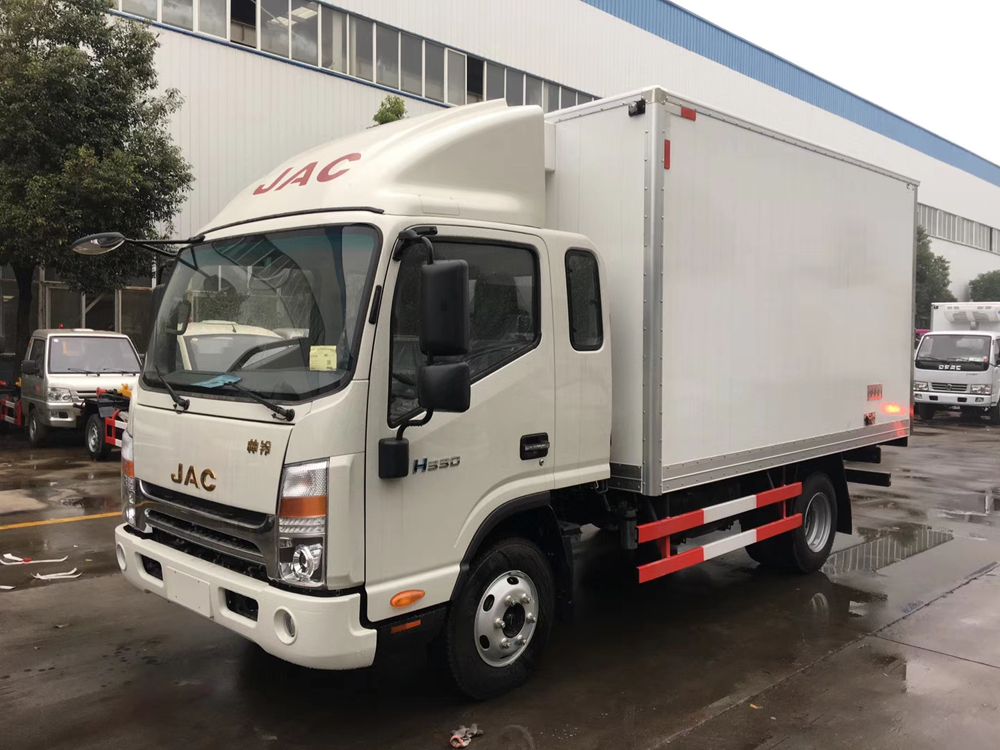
(957,364)
(639,313)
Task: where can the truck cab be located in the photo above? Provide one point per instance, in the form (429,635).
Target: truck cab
(957,363)
(65,367)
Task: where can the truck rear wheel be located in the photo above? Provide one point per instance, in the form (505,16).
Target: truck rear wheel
(97,447)
(806,548)
(37,432)
(501,619)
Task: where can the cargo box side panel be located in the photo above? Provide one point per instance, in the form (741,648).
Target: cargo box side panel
(597,189)
(787,291)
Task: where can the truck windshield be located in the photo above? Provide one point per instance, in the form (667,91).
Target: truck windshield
(968,352)
(91,355)
(282,311)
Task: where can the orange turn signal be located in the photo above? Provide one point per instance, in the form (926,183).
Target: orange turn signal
(303,507)
(406,598)
(891,408)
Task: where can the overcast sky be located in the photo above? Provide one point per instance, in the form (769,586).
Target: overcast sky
(933,62)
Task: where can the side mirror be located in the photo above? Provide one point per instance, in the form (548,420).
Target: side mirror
(444,308)
(445,387)
(29,367)
(177,323)
(98,244)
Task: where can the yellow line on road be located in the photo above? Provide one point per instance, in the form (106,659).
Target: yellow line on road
(47,521)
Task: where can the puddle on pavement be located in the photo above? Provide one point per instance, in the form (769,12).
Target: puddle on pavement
(885,548)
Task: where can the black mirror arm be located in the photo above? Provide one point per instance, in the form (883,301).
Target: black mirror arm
(414,423)
(411,236)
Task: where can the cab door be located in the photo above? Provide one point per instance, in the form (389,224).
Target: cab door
(32,386)
(461,466)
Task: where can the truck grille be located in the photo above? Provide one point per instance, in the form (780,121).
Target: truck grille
(950,387)
(241,540)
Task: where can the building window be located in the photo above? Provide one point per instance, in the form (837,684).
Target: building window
(412,64)
(144,8)
(274,26)
(494,81)
(334,37)
(475,79)
(583,289)
(568,98)
(242,22)
(532,90)
(456,77)
(361,48)
(305,31)
(434,71)
(515,88)
(387,56)
(503,319)
(179,13)
(551,97)
(212,17)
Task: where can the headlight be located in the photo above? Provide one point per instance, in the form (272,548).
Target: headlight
(919,385)
(302,524)
(981,390)
(128,481)
(59,394)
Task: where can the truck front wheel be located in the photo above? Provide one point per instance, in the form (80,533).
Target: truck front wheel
(97,446)
(806,548)
(37,432)
(501,619)
(926,412)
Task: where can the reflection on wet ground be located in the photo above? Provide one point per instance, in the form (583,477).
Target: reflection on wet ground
(885,547)
(702,659)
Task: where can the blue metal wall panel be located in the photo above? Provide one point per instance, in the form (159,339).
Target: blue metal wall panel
(685,29)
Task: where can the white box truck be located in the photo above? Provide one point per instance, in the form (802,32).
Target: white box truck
(957,364)
(638,313)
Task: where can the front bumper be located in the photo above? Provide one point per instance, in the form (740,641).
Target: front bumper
(328,630)
(954,399)
(59,414)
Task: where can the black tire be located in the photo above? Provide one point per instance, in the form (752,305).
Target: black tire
(995,413)
(37,432)
(792,550)
(926,412)
(93,437)
(469,669)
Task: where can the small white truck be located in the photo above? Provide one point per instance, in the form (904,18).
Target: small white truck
(957,364)
(638,313)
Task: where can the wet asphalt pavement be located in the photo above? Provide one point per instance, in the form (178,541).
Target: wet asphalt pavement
(893,645)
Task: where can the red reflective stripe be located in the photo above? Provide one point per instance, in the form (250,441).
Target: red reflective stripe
(650,531)
(787,492)
(671,564)
(778,527)
(666,154)
(688,114)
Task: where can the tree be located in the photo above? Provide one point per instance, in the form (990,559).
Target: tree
(933,278)
(392,108)
(985,287)
(84,146)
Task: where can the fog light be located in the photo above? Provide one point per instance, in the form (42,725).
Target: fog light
(284,626)
(120,554)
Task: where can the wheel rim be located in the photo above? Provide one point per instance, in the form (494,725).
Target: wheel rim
(506,618)
(93,438)
(817,522)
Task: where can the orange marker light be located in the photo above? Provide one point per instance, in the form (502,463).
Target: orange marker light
(406,598)
(892,408)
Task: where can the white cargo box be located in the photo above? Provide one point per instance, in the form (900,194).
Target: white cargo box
(760,288)
(965,316)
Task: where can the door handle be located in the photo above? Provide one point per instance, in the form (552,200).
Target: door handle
(535,445)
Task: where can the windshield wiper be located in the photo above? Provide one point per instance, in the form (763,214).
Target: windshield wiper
(78,369)
(281,411)
(180,404)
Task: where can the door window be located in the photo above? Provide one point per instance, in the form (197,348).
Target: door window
(36,353)
(503,303)
(583,289)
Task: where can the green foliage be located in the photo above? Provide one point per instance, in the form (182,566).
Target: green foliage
(84,146)
(985,287)
(933,278)
(392,108)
